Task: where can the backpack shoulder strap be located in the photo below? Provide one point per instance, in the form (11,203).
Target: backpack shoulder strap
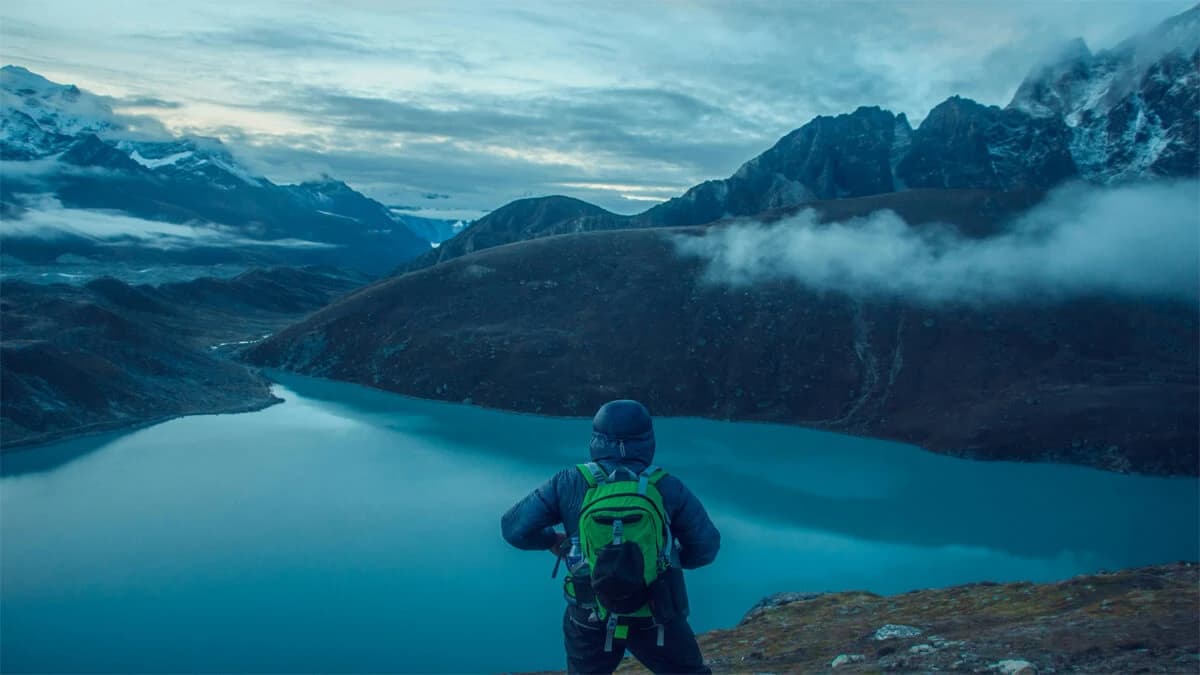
(592,473)
(649,476)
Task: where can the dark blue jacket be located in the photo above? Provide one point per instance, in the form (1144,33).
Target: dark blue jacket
(622,435)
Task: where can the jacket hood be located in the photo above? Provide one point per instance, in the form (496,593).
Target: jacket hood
(622,431)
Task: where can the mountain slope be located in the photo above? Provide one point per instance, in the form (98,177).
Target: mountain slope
(559,325)
(521,220)
(79,359)
(828,158)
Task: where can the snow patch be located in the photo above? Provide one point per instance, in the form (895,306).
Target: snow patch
(237,172)
(338,215)
(150,163)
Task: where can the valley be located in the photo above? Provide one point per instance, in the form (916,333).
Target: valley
(107,355)
(294,305)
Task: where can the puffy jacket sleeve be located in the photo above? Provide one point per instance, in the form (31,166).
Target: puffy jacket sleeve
(695,532)
(529,523)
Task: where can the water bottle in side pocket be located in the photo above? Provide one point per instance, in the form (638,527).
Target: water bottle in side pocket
(578,584)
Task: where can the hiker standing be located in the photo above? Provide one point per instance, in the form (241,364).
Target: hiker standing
(630,531)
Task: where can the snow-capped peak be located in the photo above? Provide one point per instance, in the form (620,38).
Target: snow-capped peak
(1129,108)
(56,108)
(199,157)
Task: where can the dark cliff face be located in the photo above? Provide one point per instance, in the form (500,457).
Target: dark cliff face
(560,325)
(963,144)
(828,158)
(91,151)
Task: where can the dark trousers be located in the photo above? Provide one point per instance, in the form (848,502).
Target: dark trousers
(585,647)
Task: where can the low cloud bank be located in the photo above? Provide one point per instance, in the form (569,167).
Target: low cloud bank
(1138,240)
(46,218)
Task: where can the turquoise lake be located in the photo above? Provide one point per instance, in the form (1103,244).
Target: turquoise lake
(350,530)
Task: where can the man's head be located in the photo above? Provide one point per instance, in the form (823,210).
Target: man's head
(623,431)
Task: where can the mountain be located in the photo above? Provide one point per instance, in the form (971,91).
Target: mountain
(1131,110)
(828,158)
(71,152)
(559,325)
(46,110)
(1124,114)
(520,220)
(106,355)
(963,144)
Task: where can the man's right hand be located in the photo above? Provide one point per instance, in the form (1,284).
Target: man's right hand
(556,547)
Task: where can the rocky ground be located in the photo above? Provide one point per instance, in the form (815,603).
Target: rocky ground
(107,355)
(1144,620)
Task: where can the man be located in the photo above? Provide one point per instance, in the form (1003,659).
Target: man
(622,436)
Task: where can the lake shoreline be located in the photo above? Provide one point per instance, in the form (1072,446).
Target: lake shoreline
(1064,457)
(253,404)
(257,403)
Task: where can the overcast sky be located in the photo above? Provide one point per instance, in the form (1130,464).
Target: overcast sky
(465,106)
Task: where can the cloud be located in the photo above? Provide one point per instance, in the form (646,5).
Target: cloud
(521,100)
(26,176)
(587,125)
(142,102)
(315,38)
(1138,240)
(45,217)
(480,180)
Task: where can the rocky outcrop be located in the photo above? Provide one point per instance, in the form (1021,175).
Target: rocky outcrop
(829,158)
(1131,110)
(963,144)
(1137,620)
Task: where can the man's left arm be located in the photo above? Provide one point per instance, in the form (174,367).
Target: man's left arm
(529,524)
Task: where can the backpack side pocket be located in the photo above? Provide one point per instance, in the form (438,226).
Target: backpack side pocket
(668,597)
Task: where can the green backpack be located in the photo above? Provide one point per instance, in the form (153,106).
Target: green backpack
(625,539)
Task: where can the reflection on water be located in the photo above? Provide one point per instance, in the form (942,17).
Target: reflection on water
(352,530)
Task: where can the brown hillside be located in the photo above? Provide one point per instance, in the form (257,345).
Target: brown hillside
(559,325)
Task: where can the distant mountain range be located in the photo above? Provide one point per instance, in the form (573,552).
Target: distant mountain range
(65,150)
(1127,113)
